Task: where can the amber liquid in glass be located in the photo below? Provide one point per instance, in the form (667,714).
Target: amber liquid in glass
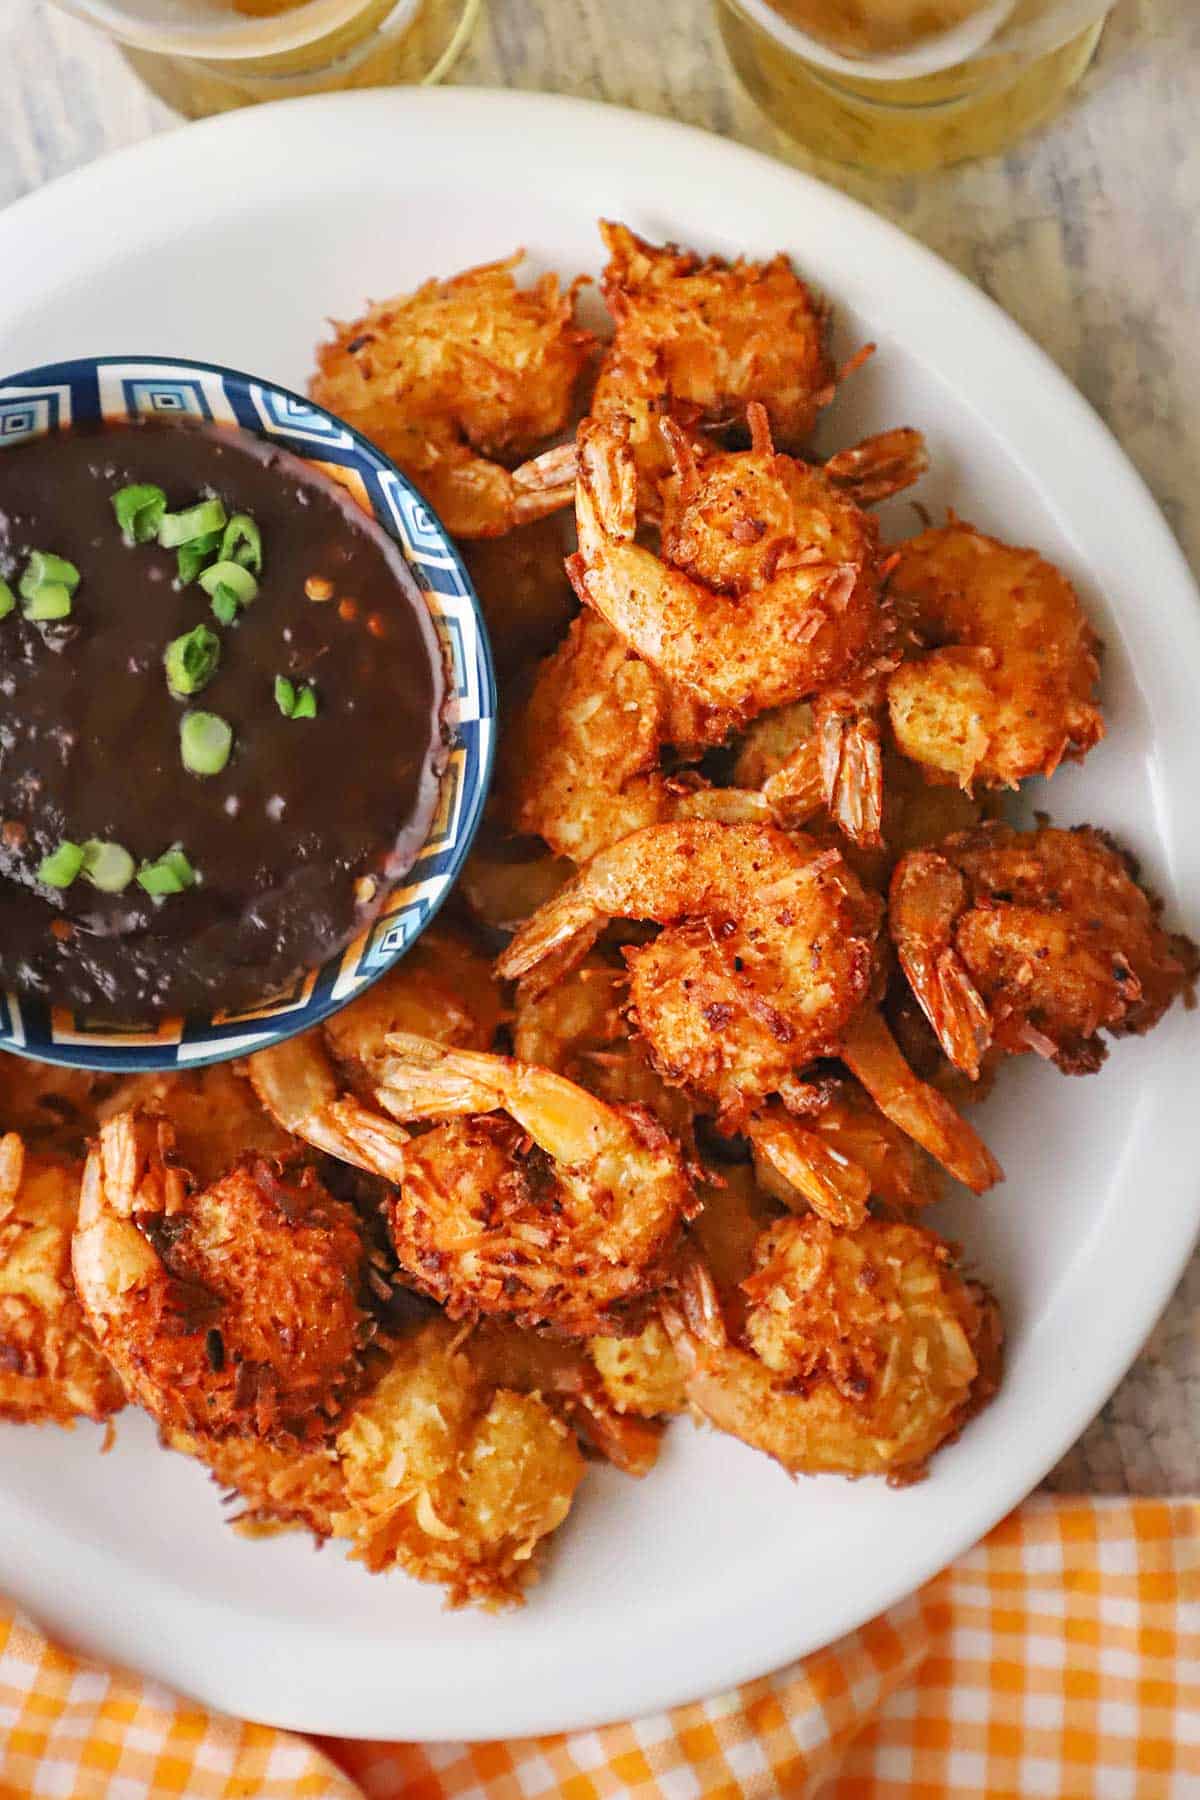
(377,43)
(969,108)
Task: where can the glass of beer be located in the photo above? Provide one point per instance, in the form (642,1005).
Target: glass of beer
(206,56)
(905,85)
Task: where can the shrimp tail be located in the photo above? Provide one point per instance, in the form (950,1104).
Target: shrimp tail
(850,751)
(554,941)
(880,466)
(927,896)
(298,1088)
(543,485)
(606,490)
(813,1170)
(795,791)
(355,1134)
(421,1079)
(871,1052)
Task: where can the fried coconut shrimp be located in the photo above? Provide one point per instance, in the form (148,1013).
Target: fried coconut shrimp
(1034,940)
(232,1307)
(1004,684)
(861,1352)
(766,961)
(583,766)
(50,1368)
(697,339)
(536,1200)
(441,1471)
(767,588)
(460,381)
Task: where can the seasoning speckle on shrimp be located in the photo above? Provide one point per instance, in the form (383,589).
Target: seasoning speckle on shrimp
(233,1307)
(767,588)
(1042,940)
(535,1200)
(459,383)
(1003,683)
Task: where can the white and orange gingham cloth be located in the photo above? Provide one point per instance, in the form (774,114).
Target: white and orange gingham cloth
(1060,1657)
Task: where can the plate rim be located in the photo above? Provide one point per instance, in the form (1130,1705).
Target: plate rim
(485,1715)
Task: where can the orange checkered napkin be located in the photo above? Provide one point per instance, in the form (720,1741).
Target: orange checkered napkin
(1060,1657)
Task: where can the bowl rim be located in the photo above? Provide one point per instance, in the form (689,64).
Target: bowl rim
(130,1058)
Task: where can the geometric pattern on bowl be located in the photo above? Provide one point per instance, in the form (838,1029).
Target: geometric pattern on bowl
(50,399)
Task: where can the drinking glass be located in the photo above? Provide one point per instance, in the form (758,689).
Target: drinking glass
(206,56)
(905,85)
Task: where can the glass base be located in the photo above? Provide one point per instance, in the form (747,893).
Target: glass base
(370,51)
(904,127)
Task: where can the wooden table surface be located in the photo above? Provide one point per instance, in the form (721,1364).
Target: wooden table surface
(1086,235)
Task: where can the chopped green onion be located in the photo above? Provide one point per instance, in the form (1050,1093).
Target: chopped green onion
(50,601)
(294,702)
(139,509)
(191,660)
(7,599)
(231,575)
(194,522)
(108,867)
(205,740)
(60,868)
(170,873)
(46,570)
(224,604)
(242,543)
(191,558)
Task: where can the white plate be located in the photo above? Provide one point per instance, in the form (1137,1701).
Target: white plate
(232,241)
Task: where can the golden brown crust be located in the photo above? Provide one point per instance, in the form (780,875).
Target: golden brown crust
(858,1351)
(1041,940)
(699,338)
(1004,683)
(235,1307)
(458,381)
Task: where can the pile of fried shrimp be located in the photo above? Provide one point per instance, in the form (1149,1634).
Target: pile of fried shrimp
(648,1122)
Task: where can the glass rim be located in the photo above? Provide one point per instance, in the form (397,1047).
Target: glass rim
(986,30)
(238,38)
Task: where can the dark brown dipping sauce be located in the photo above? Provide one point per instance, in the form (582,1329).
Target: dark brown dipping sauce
(298,840)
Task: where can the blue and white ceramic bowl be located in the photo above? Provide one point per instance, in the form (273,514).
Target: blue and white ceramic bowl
(50,399)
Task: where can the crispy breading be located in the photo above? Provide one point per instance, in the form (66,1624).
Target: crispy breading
(861,1353)
(698,338)
(234,1307)
(1034,940)
(1003,682)
(452,1478)
(641,1374)
(459,381)
(535,1200)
